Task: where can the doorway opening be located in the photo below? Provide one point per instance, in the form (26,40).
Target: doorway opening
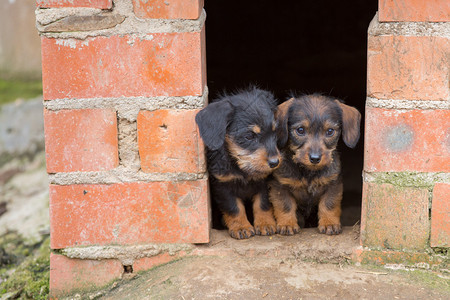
(295,46)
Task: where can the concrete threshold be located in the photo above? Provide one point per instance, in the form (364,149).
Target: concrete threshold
(308,245)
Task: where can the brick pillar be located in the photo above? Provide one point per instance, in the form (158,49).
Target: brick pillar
(406,192)
(122,83)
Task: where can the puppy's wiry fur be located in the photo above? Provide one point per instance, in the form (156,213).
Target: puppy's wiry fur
(239,132)
(310,173)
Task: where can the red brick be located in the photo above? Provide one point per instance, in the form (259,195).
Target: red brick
(68,274)
(129,213)
(162,64)
(415,140)
(408,67)
(414,10)
(103,4)
(81,140)
(440,216)
(147,263)
(169,141)
(394,217)
(168,9)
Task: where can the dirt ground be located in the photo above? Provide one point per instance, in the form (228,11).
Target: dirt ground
(269,278)
(306,266)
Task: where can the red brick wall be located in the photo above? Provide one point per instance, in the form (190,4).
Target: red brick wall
(123,81)
(407,128)
(125,160)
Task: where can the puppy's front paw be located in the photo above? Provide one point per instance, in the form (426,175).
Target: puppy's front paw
(238,225)
(289,229)
(265,229)
(330,229)
(242,233)
(264,222)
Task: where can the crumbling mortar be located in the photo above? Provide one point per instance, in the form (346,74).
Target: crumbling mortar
(121,174)
(407,179)
(430,203)
(84,23)
(435,29)
(130,25)
(46,16)
(127,255)
(57,251)
(128,108)
(403,104)
(128,145)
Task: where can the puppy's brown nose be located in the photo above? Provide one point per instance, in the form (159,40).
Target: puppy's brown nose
(315,158)
(273,162)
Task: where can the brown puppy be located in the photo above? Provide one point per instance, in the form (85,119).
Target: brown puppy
(241,141)
(310,172)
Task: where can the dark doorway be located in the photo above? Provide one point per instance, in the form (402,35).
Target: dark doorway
(295,46)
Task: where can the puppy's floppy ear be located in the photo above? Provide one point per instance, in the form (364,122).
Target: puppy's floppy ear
(282,116)
(212,123)
(351,119)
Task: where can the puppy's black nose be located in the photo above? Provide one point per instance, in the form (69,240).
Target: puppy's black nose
(314,158)
(273,162)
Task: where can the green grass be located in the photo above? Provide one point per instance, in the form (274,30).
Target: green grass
(10,90)
(30,265)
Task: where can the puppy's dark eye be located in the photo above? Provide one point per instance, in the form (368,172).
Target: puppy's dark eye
(330,132)
(250,136)
(301,131)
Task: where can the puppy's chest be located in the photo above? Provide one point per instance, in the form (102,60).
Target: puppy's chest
(237,186)
(306,185)
(224,169)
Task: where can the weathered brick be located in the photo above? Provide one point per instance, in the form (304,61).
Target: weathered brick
(394,217)
(68,274)
(161,64)
(404,258)
(168,9)
(415,140)
(147,263)
(129,213)
(408,67)
(81,140)
(440,216)
(414,10)
(103,4)
(169,141)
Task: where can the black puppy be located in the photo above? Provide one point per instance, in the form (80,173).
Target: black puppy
(310,175)
(239,133)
